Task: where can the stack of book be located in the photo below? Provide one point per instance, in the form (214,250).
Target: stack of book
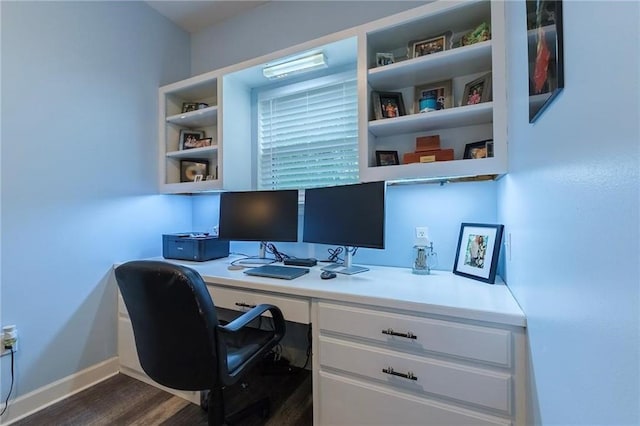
(428,150)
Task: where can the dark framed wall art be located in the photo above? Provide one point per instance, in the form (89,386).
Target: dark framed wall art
(545,48)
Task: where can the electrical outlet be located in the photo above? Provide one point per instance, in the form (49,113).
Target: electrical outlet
(9,338)
(422,232)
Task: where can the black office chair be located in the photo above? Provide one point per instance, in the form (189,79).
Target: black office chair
(179,341)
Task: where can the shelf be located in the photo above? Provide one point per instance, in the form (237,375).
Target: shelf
(435,67)
(192,187)
(443,119)
(202,153)
(194,119)
(437,171)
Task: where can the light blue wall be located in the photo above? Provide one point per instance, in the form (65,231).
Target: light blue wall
(570,203)
(79,172)
(441,208)
(280,24)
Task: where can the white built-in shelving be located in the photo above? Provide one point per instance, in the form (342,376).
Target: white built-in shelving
(228,118)
(458,125)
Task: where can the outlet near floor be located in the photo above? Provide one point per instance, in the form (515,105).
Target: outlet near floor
(9,340)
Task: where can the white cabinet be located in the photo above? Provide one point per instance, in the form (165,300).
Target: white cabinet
(378,367)
(456,125)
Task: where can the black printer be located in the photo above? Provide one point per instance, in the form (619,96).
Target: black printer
(194,246)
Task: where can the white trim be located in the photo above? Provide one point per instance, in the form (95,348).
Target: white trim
(45,396)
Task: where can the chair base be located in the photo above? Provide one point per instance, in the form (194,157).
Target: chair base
(213,402)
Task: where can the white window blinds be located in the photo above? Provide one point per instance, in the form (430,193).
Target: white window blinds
(309,137)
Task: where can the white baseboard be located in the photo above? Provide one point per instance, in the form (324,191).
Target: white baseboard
(45,396)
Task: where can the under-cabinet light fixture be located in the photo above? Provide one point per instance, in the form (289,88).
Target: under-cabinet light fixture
(294,66)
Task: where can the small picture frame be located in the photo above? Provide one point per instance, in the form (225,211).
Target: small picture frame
(481,149)
(477,91)
(479,34)
(431,45)
(387,158)
(478,251)
(202,143)
(189,106)
(383,59)
(433,97)
(387,105)
(193,170)
(189,138)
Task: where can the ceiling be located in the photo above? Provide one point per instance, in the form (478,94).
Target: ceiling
(193,16)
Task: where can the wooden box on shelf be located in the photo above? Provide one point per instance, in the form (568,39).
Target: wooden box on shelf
(428,156)
(427,143)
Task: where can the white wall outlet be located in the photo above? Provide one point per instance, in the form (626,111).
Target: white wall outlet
(422,232)
(9,339)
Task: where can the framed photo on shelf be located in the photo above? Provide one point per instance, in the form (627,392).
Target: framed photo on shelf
(481,149)
(193,170)
(478,251)
(189,106)
(430,45)
(383,59)
(387,158)
(546,63)
(201,143)
(189,138)
(477,91)
(387,105)
(433,97)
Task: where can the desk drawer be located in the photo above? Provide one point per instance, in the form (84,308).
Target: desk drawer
(467,384)
(345,401)
(403,332)
(296,310)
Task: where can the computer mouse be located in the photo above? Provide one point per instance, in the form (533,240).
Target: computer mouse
(327,275)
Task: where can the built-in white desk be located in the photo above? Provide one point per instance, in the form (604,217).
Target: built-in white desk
(391,347)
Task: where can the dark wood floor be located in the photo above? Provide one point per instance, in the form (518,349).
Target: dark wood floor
(122,400)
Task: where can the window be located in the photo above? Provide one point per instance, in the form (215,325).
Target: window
(308,134)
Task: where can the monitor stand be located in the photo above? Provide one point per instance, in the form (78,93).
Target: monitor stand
(347,267)
(261,259)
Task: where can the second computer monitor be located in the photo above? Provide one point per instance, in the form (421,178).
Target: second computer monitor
(346,215)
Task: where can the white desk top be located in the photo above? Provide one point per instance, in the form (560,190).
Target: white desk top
(441,293)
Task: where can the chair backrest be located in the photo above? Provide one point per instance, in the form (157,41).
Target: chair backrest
(174,323)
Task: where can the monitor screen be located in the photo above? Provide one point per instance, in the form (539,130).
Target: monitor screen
(347,215)
(259,216)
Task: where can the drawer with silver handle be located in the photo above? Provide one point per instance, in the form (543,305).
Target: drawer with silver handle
(419,374)
(416,334)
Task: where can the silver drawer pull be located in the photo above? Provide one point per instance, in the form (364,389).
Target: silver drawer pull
(244,305)
(408,334)
(409,375)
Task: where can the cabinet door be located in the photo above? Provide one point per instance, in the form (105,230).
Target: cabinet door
(345,401)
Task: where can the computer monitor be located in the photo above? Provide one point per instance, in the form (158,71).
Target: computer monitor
(261,216)
(348,215)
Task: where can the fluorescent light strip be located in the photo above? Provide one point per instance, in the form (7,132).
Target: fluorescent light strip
(307,63)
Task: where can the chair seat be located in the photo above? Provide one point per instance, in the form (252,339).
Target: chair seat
(241,346)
